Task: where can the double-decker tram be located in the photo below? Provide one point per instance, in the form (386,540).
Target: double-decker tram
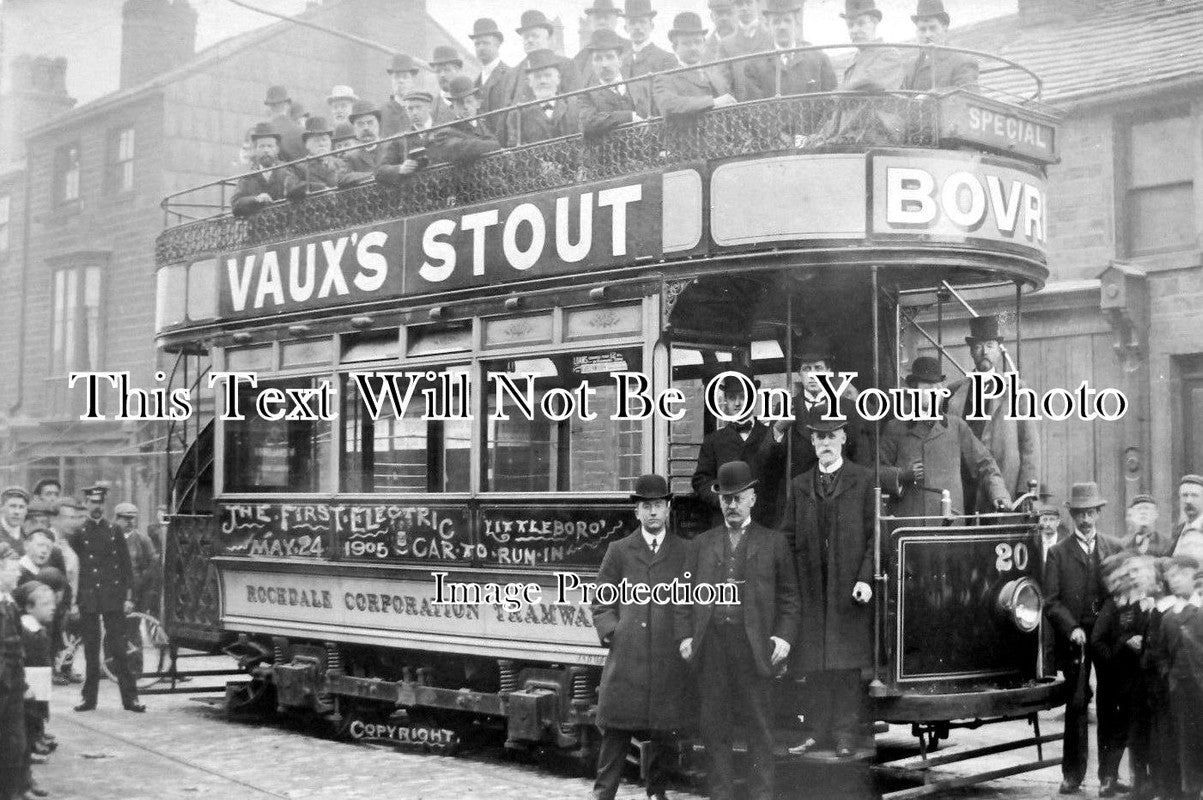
(416,415)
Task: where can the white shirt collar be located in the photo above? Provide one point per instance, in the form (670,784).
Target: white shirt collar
(1194,525)
(649,537)
(833,468)
(639,48)
(747,522)
(1084,543)
(486,70)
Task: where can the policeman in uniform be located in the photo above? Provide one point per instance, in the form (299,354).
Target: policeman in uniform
(104,591)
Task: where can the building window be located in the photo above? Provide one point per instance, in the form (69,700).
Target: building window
(66,174)
(121,161)
(1160,196)
(75,335)
(5,222)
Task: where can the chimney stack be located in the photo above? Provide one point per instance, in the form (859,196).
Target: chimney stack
(156,36)
(38,94)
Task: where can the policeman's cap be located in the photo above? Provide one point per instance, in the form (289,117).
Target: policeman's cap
(96,492)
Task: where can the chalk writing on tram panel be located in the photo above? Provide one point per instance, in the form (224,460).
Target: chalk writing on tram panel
(276,530)
(532,537)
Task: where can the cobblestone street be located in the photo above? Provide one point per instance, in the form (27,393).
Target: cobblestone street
(184,747)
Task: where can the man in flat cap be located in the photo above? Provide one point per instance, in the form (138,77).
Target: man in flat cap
(105,579)
(48,490)
(1143,537)
(934,69)
(363,162)
(680,96)
(403,76)
(919,459)
(551,117)
(143,559)
(603,15)
(740,440)
(282,113)
(829,526)
(340,101)
(467,140)
(1073,594)
(787,73)
(495,75)
(271,183)
(535,30)
(612,103)
(1188,535)
(14,506)
(738,648)
(642,689)
(1014,443)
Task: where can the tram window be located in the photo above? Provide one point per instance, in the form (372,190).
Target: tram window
(371,346)
(429,340)
(307,353)
(275,456)
(410,453)
(544,455)
(250,359)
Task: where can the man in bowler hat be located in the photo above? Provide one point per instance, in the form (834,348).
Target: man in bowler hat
(787,73)
(829,526)
(1074,593)
(684,94)
(603,15)
(536,30)
(403,76)
(643,681)
(612,103)
(258,191)
(105,579)
(468,139)
(737,649)
(937,70)
(495,75)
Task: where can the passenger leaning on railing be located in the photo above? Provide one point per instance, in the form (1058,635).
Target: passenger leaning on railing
(688,93)
(535,30)
(324,170)
(552,117)
(418,105)
(363,162)
(788,73)
(942,70)
(261,189)
(612,103)
(603,16)
(749,36)
(467,140)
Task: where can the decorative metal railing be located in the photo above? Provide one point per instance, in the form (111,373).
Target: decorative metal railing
(820,122)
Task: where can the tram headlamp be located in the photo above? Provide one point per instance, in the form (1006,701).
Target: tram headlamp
(1021,601)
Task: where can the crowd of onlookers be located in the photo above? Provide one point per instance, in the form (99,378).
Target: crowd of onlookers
(63,567)
(630,80)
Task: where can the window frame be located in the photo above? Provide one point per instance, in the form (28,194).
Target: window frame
(62,171)
(61,369)
(116,167)
(1125,167)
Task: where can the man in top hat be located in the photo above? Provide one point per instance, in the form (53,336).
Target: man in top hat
(340,101)
(1188,535)
(684,94)
(602,16)
(738,648)
(259,190)
(282,113)
(787,73)
(722,17)
(446,64)
(467,140)
(1073,594)
(741,440)
(933,69)
(362,162)
(815,356)
(644,56)
(1049,532)
(495,75)
(829,524)
(612,103)
(14,506)
(535,30)
(403,76)
(551,117)
(105,579)
(921,458)
(323,170)
(1143,537)
(643,682)
(1014,443)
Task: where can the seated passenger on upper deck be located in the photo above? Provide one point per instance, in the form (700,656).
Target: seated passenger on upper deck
(403,75)
(467,140)
(447,65)
(550,118)
(260,190)
(341,100)
(687,93)
(937,70)
(363,162)
(612,103)
(322,172)
(800,73)
(282,113)
(418,104)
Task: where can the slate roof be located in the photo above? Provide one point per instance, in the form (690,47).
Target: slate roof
(1119,46)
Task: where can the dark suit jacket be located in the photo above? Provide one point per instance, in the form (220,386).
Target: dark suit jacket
(583,61)
(604,108)
(726,445)
(647,61)
(277,184)
(105,574)
(1065,589)
(361,164)
(837,632)
(519,90)
(770,601)
(292,146)
(738,44)
(536,127)
(952,69)
(393,118)
(460,143)
(493,96)
(807,72)
(686,93)
(643,681)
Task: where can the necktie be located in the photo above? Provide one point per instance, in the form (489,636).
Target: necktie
(826,481)
(549,109)
(655,545)
(736,535)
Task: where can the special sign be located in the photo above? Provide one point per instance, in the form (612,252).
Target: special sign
(958,197)
(553,233)
(998,127)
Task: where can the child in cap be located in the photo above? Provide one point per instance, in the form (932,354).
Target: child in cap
(1116,642)
(36,601)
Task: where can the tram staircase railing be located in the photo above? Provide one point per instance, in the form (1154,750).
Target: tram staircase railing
(189,450)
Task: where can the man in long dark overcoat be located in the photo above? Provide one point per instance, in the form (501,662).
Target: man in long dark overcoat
(105,579)
(737,648)
(643,681)
(829,526)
